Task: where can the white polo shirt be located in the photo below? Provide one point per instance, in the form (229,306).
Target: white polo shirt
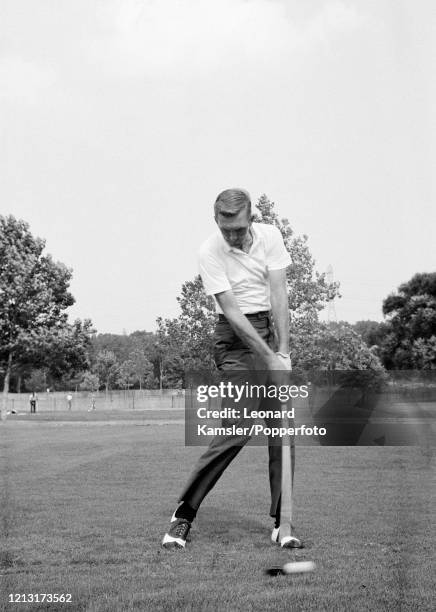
(224,268)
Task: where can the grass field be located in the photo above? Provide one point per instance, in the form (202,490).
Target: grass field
(84,509)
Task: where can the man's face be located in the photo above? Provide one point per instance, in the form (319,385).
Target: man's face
(235,229)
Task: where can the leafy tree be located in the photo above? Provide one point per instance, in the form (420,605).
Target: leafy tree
(411,324)
(142,368)
(62,351)
(90,382)
(313,344)
(308,289)
(37,381)
(126,376)
(34,294)
(170,349)
(332,345)
(142,341)
(372,332)
(139,347)
(185,343)
(123,345)
(107,368)
(424,353)
(118,344)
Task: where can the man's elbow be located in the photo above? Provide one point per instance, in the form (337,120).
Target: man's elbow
(227,303)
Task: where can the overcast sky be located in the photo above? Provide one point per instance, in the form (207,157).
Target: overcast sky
(121,120)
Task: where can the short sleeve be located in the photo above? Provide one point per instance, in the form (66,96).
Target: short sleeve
(277,257)
(212,273)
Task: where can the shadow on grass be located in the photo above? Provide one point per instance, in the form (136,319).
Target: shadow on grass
(8,560)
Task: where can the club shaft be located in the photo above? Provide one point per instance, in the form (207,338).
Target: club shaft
(286,479)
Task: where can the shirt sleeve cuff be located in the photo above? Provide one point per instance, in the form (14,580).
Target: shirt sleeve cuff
(214,289)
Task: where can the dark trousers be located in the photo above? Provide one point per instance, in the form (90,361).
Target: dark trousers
(231,355)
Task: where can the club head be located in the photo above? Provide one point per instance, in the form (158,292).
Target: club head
(276,570)
(292,567)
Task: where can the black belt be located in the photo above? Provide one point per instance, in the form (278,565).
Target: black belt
(250,315)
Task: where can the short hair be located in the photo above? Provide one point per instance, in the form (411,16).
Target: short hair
(230,202)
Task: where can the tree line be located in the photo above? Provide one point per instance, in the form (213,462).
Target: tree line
(40,348)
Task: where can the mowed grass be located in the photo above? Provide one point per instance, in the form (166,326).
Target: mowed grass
(143,417)
(84,508)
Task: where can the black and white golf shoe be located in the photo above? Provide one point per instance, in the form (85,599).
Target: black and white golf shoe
(177,535)
(286,541)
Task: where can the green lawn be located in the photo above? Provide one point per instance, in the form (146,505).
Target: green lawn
(84,508)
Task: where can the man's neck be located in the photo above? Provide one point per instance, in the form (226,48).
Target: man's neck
(248,242)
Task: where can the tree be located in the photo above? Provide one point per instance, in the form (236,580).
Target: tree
(142,368)
(308,289)
(90,382)
(372,332)
(334,346)
(126,375)
(170,350)
(185,343)
(62,351)
(118,344)
(411,324)
(142,341)
(37,381)
(34,294)
(123,345)
(424,353)
(107,368)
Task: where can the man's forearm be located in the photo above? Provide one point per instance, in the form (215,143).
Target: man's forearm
(280,313)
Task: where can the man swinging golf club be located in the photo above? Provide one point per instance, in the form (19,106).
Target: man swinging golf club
(243,265)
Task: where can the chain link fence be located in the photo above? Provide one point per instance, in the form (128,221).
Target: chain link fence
(79,401)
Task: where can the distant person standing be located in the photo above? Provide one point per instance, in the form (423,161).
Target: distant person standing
(69,401)
(33,400)
(92,403)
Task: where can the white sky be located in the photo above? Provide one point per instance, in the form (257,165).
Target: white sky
(122,120)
